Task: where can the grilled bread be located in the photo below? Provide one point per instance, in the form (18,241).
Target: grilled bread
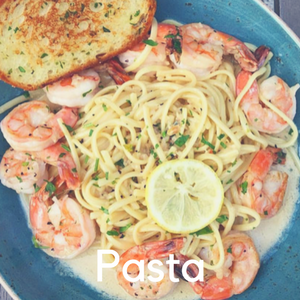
(42,41)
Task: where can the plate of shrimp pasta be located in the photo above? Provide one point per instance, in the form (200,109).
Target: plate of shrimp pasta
(185,143)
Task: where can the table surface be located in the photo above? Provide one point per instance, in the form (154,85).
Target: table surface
(288,10)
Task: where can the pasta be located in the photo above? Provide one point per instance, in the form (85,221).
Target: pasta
(124,134)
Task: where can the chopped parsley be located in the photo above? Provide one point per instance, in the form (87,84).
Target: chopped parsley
(291,131)
(150,43)
(21,69)
(104,107)
(229,250)
(112,233)
(206,142)
(44,55)
(104,210)
(25,164)
(26,94)
(120,163)
(182,140)
(19,178)
(106,175)
(244,187)
(50,187)
(70,129)
(66,147)
(222,219)
(124,228)
(36,244)
(128,147)
(36,188)
(96,164)
(105,29)
(205,230)
(84,94)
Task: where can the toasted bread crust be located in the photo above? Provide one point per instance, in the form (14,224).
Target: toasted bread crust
(57,39)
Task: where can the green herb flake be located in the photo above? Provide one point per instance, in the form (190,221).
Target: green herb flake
(266,213)
(106,175)
(291,131)
(9,71)
(124,228)
(234,163)
(74,170)
(182,140)
(120,163)
(222,219)
(104,107)
(86,159)
(44,55)
(36,188)
(96,164)
(107,220)
(21,69)
(61,155)
(164,134)
(221,136)
(156,146)
(84,94)
(82,7)
(112,233)
(70,129)
(66,147)
(229,181)
(25,164)
(50,187)
(128,101)
(223,145)
(152,152)
(137,13)
(205,230)
(105,210)
(36,244)
(244,187)
(91,132)
(150,43)
(206,142)
(26,94)
(19,178)
(229,250)
(105,29)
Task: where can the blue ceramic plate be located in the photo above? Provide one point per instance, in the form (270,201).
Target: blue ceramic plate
(31,275)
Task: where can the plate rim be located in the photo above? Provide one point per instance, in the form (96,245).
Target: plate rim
(286,28)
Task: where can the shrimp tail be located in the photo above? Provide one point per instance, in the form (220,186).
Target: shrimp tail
(212,288)
(163,249)
(261,54)
(116,71)
(246,59)
(71,177)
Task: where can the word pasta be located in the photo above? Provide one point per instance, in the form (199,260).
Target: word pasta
(141,264)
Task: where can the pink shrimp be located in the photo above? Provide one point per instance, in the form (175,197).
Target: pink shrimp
(240,268)
(261,188)
(147,252)
(61,227)
(277,92)
(203,48)
(19,171)
(158,54)
(59,156)
(75,91)
(32,126)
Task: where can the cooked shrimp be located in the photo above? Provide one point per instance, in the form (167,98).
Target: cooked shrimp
(203,48)
(116,71)
(32,126)
(195,47)
(61,227)
(261,188)
(75,91)
(158,54)
(239,270)
(147,252)
(59,156)
(277,92)
(19,171)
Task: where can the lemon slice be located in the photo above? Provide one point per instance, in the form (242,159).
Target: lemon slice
(184,196)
